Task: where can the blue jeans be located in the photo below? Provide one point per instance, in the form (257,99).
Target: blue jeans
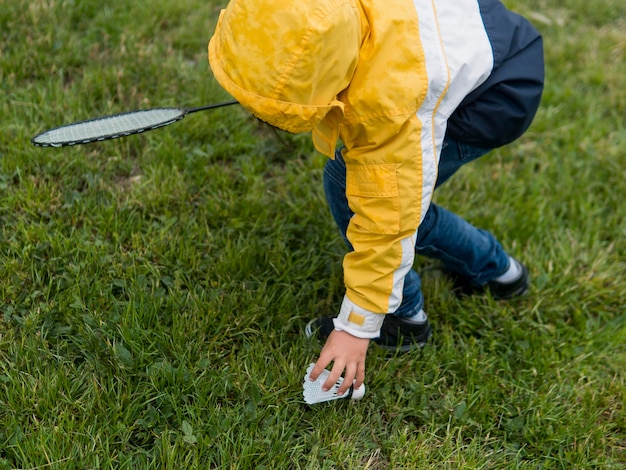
(461,247)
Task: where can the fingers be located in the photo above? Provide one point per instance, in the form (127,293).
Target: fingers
(320,365)
(322,362)
(348,378)
(354,373)
(360,375)
(335,373)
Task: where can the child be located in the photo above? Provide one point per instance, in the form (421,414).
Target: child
(414,89)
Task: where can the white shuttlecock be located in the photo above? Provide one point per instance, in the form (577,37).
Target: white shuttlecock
(313,392)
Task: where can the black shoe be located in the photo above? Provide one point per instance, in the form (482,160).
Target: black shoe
(498,290)
(395,334)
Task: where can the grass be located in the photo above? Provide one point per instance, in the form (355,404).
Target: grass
(153,290)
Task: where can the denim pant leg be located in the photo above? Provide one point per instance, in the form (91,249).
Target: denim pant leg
(472,252)
(461,247)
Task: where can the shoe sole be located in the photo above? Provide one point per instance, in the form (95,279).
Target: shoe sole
(407,348)
(308,329)
(463,288)
(520,291)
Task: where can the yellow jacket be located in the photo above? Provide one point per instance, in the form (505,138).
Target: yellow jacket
(380,78)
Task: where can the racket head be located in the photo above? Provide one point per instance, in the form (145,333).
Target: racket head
(108,127)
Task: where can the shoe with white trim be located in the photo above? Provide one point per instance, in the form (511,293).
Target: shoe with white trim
(462,286)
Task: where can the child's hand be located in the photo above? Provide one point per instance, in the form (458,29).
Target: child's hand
(347,353)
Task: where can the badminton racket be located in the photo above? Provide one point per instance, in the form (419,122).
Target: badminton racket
(116,125)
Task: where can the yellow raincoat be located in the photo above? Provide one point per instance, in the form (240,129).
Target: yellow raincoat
(356,70)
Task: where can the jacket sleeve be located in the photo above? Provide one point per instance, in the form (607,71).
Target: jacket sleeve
(390,155)
(390,177)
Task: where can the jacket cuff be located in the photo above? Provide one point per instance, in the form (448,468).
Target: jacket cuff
(357,321)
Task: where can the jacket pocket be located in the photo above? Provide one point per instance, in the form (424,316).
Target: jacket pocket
(372,192)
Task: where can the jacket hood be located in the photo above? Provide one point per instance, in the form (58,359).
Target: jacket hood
(286,62)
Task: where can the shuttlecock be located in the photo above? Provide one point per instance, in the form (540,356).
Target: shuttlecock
(313,393)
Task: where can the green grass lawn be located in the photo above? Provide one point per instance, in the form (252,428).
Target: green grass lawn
(154,289)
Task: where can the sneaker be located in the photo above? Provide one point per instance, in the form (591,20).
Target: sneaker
(395,334)
(462,286)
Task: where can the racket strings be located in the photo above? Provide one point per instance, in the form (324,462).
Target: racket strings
(109,127)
